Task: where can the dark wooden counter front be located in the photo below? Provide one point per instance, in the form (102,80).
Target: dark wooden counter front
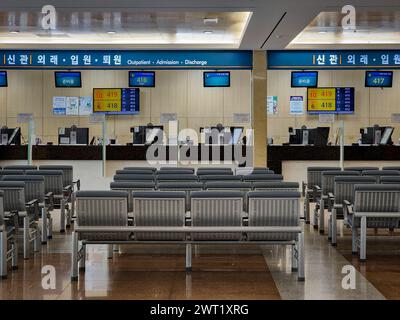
(115,152)
(277,154)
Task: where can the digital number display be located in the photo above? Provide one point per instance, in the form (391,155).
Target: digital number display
(380,79)
(142,79)
(68,79)
(330,100)
(3,79)
(116,101)
(304,79)
(217,79)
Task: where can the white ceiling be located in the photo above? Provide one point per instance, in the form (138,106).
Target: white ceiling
(160,24)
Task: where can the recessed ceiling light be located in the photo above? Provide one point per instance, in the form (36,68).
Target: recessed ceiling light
(111,32)
(210,20)
(208,31)
(322,32)
(14,31)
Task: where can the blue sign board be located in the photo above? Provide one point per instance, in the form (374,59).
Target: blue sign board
(380,79)
(304,79)
(68,79)
(334,59)
(105,59)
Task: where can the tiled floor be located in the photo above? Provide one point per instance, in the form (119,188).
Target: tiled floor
(219,272)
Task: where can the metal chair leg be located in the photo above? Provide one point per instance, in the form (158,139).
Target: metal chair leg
(301,258)
(74,257)
(188,257)
(294,258)
(3,254)
(44,226)
(26,238)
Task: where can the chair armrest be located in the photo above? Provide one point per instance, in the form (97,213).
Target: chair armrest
(78,184)
(303,188)
(347,209)
(49,200)
(33,205)
(12,218)
(67,191)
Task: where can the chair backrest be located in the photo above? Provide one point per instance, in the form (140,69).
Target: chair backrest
(328,179)
(177,177)
(102,208)
(22,167)
(390,180)
(274,208)
(67,170)
(137,171)
(177,168)
(34,186)
(214,172)
(262,177)
(1,208)
(344,187)
(216,208)
(13,195)
(243,187)
(10,172)
(243,171)
(314,175)
(380,173)
(378,198)
(207,169)
(395,168)
(140,168)
(186,186)
(159,208)
(360,169)
(276,186)
(130,187)
(53,180)
(176,171)
(215,177)
(134,177)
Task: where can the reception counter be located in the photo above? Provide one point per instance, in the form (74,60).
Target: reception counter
(277,154)
(120,152)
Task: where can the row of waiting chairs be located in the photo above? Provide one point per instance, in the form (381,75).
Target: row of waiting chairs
(30,195)
(199,171)
(161,217)
(366,194)
(188,187)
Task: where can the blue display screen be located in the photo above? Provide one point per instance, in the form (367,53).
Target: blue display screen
(344,100)
(142,79)
(68,79)
(304,79)
(129,101)
(217,79)
(380,79)
(3,79)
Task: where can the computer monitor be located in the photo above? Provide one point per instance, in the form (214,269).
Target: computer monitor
(320,136)
(387,136)
(295,136)
(10,136)
(73,136)
(236,134)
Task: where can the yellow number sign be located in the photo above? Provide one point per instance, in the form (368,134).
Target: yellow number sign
(106,100)
(321,99)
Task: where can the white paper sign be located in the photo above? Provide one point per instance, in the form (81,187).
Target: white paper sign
(272,105)
(167,117)
(241,117)
(327,118)
(72,106)
(59,105)
(396,117)
(296,105)
(85,106)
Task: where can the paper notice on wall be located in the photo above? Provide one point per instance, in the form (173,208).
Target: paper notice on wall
(59,105)
(327,118)
(241,117)
(272,104)
(85,106)
(296,105)
(72,106)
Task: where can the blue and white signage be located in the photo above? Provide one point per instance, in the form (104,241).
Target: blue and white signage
(333,59)
(57,59)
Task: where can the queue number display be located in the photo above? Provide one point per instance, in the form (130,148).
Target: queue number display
(321,100)
(116,101)
(330,100)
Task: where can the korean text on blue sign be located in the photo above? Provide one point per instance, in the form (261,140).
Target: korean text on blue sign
(336,59)
(125,59)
